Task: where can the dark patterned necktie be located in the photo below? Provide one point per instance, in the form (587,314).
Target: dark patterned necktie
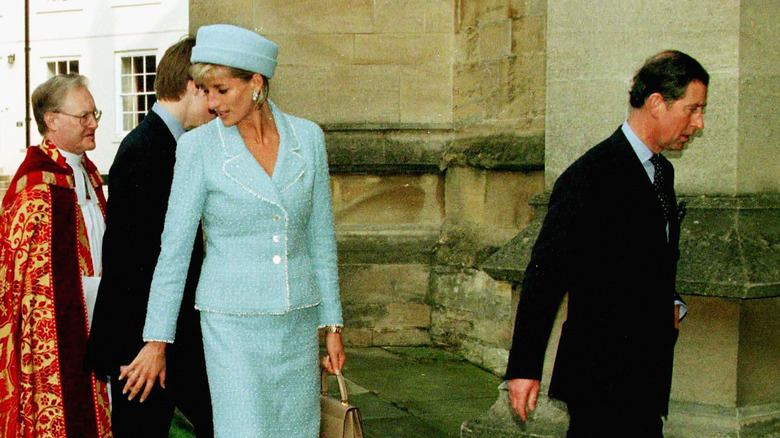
(658,185)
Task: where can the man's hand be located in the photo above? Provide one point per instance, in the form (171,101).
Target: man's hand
(523,393)
(144,370)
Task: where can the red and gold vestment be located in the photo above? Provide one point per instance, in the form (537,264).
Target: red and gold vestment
(45,390)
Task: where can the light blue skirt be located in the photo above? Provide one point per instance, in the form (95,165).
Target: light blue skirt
(263,374)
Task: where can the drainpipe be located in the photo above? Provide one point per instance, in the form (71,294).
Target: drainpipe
(27,119)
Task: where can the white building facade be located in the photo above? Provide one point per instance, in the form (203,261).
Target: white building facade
(116,44)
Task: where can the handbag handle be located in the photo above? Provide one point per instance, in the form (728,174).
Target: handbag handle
(342,386)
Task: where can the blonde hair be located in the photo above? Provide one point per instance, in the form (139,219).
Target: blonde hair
(202,72)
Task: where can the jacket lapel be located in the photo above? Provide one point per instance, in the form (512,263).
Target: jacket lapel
(636,174)
(290,165)
(645,191)
(241,167)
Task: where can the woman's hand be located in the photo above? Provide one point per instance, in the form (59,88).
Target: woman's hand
(144,370)
(334,361)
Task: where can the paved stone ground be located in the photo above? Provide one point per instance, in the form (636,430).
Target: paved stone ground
(411,392)
(416,392)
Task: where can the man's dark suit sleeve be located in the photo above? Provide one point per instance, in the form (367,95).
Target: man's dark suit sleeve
(547,275)
(129,246)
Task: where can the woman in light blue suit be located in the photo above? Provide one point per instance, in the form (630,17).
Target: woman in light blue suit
(258,180)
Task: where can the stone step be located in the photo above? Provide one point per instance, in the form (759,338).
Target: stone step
(550,420)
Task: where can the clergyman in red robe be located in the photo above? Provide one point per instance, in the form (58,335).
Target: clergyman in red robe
(51,229)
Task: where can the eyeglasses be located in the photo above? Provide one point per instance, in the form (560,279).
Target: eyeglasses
(84,119)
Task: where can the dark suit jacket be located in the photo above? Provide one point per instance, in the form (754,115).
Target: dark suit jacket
(604,242)
(139,186)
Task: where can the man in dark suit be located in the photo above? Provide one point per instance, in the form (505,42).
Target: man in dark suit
(139,187)
(610,240)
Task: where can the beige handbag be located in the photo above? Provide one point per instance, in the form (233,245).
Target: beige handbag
(339,418)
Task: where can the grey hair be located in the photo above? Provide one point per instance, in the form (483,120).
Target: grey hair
(49,96)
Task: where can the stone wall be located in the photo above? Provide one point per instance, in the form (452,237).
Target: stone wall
(499,63)
(353,62)
(434,120)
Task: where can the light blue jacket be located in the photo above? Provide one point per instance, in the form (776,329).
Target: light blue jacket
(270,241)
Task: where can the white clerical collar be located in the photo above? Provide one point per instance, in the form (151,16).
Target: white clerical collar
(84,192)
(72,159)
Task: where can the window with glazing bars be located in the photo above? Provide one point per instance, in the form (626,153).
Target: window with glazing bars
(137,88)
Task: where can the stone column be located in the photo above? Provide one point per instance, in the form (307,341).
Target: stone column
(727,359)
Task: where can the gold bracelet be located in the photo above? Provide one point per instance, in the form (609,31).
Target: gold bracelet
(333,328)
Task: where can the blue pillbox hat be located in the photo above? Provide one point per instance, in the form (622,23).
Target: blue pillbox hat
(233,46)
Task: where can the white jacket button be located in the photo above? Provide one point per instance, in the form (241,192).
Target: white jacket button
(277,259)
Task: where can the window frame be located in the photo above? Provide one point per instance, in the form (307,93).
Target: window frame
(58,59)
(119,94)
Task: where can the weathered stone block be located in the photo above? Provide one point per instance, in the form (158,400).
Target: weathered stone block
(404,315)
(447,325)
(473,291)
(339,93)
(466,46)
(383,49)
(759,353)
(522,79)
(730,247)
(378,245)
(468,14)
(384,303)
(473,315)
(533,7)
(439,16)
(363,315)
(758,168)
(467,94)
(491,204)
(426,94)
(492,11)
(500,151)
(413,16)
(426,152)
(491,89)
(495,39)
(403,199)
(350,150)
(357,337)
(384,284)
(485,50)
(403,337)
(203,12)
(310,50)
(705,367)
(464,190)
(313,16)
